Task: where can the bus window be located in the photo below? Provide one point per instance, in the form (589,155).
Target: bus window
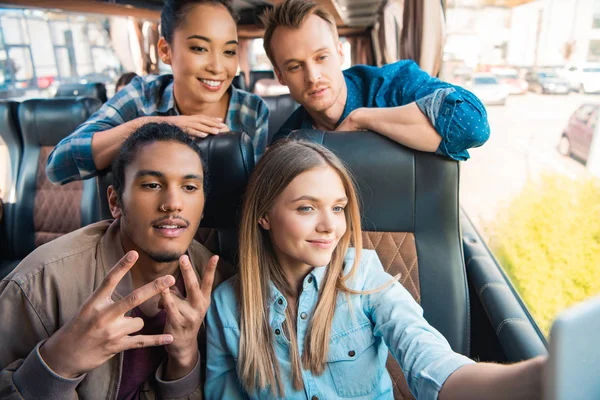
(527,199)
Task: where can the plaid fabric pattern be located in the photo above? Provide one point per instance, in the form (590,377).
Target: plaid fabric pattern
(72,158)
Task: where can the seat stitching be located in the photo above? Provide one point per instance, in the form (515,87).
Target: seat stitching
(507,320)
(492,284)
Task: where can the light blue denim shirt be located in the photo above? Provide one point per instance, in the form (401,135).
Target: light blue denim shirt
(358,347)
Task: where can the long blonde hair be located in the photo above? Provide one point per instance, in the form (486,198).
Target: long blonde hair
(258,366)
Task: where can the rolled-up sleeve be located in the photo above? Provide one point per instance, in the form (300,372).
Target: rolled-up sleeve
(460,119)
(457,115)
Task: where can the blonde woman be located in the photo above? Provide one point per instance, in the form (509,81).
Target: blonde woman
(309,317)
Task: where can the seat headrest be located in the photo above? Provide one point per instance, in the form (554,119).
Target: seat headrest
(384,173)
(239,81)
(45,122)
(96,90)
(229,158)
(257,75)
(280,109)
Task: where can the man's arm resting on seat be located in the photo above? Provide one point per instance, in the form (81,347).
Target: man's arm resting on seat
(406,125)
(486,381)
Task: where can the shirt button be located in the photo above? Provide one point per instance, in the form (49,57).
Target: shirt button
(310,279)
(303,315)
(351,353)
(277,331)
(280,301)
(314,398)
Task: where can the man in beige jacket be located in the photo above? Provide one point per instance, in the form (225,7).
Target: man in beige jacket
(114,310)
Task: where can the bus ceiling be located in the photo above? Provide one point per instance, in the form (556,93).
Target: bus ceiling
(382,31)
(354,15)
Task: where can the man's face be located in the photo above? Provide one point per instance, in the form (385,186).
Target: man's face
(162,201)
(309,62)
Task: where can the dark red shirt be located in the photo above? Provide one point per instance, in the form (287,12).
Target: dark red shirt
(140,365)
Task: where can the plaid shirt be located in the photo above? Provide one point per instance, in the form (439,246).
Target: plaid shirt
(72,158)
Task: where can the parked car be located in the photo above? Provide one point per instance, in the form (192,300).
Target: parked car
(511,78)
(584,78)
(547,82)
(488,89)
(577,136)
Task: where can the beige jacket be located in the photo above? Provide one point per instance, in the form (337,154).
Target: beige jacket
(46,290)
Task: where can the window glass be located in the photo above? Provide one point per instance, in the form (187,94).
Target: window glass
(20,62)
(594,51)
(538,210)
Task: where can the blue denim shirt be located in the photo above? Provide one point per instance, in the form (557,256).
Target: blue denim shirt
(72,158)
(456,114)
(358,347)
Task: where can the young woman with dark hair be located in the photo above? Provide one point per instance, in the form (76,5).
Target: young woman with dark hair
(199,41)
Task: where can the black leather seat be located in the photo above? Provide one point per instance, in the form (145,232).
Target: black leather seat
(239,81)
(256,75)
(280,109)
(45,211)
(229,160)
(10,134)
(411,218)
(95,90)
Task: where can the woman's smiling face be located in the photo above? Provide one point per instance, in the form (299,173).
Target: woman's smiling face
(203,54)
(308,219)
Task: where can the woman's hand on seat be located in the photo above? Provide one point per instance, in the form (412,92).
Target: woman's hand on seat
(198,125)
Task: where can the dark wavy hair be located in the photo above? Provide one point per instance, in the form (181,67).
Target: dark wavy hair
(174,12)
(145,135)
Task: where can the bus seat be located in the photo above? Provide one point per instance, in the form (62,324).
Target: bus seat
(45,211)
(255,76)
(280,109)
(229,159)
(410,214)
(11,152)
(239,81)
(95,90)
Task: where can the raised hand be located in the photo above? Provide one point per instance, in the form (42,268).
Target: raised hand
(185,315)
(199,125)
(100,329)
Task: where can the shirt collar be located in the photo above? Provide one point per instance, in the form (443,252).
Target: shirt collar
(354,98)
(314,279)
(167,101)
(232,108)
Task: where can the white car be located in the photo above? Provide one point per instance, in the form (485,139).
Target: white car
(488,89)
(583,78)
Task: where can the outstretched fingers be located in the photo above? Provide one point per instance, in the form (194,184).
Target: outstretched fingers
(209,276)
(140,341)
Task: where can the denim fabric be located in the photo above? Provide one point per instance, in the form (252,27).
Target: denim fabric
(72,158)
(364,327)
(456,114)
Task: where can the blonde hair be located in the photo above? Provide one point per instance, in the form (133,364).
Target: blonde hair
(292,14)
(258,366)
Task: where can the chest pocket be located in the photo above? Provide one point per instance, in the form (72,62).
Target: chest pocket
(353,362)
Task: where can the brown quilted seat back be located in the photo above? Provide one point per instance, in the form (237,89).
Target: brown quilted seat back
(56,209)
(45,211)
(398,254)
